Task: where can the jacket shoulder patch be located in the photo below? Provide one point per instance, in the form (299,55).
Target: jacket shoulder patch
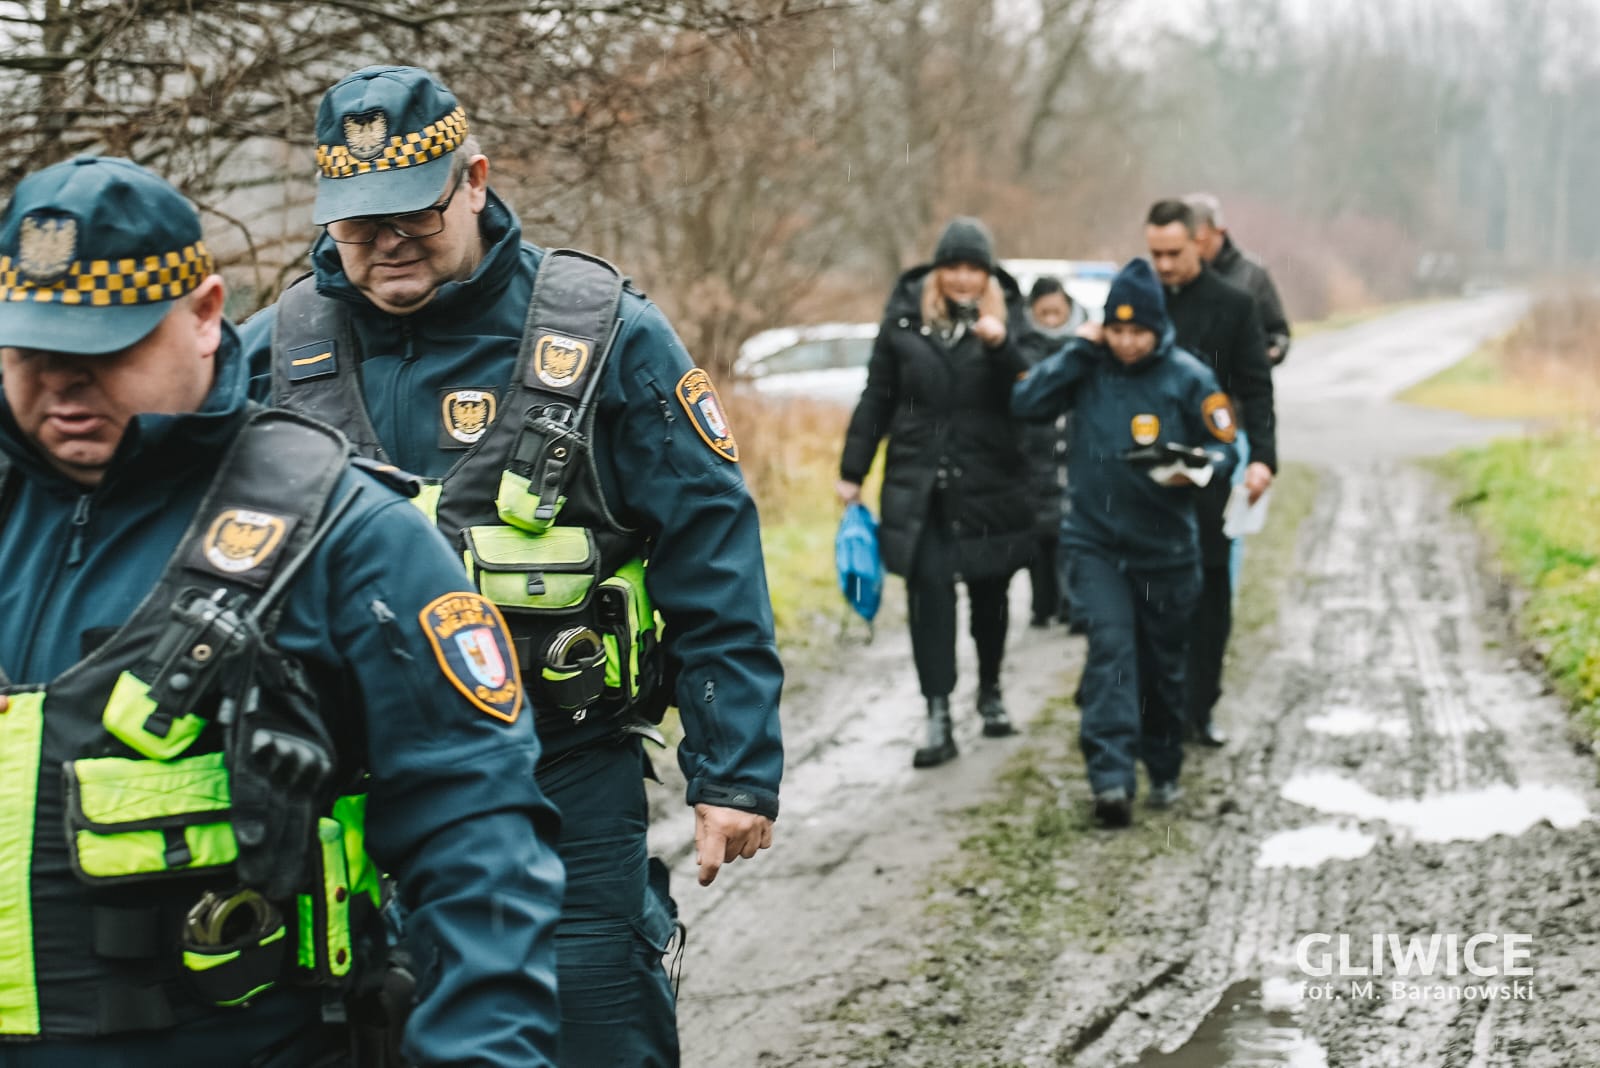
(1218,414)
(474,650)
(699,399)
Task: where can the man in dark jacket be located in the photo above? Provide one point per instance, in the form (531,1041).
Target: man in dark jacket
(1130,533)
(167,762)
(955,492)
(1220,326)
(586,468)
(1242,270)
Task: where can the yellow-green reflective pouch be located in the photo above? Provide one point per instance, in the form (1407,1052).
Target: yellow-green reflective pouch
(517,503)
(131,820)
(551,573)
(21,734)
(130,716)
(627,625)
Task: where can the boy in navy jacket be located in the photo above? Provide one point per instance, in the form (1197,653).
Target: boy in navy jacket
(1140,405)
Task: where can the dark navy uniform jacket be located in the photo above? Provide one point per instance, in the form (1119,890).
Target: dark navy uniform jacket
(706,576)
(1169,396)
(453,812)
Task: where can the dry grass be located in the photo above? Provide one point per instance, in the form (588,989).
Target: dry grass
(789,450)
(1547,367)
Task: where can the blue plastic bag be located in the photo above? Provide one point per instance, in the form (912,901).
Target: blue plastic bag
(855,552)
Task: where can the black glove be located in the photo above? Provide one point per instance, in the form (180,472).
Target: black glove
(280,761)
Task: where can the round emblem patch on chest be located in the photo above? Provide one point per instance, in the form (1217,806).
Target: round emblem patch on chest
(559,361)
(467,414)
(1146,429)
(241,540)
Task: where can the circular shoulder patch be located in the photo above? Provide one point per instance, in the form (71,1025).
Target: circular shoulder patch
(699,398)
(474,650)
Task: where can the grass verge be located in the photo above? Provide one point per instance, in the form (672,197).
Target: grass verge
(1538,503)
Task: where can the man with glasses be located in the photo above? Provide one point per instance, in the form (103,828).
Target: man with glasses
(586,471)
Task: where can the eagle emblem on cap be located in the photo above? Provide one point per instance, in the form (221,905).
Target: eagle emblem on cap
(46,247)
(559,361)
(1124,312)
(367,134)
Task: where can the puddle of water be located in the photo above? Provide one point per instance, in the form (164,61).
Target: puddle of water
(1344,721)
(1307,847)
(1470,815)
(1248,1029)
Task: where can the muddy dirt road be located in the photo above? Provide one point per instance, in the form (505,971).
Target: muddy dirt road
(1394,770)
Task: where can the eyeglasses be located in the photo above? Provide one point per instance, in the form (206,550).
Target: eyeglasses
(364,229)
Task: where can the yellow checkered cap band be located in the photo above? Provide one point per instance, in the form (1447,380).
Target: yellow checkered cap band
(113,283)
(403,150)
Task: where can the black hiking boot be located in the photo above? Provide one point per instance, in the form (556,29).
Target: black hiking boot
(996,724)
(941,745)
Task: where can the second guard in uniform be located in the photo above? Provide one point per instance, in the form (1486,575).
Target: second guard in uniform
(585,470)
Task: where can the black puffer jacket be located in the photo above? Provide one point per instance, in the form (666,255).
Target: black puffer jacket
(954,451)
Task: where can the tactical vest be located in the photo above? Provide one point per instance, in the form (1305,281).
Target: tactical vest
(573,593)
(116,814)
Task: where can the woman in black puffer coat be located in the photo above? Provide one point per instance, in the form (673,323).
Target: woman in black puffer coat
(956,503)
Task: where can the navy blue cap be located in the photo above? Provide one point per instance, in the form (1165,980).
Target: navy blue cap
(385,140)
(1135,297)
(93,252)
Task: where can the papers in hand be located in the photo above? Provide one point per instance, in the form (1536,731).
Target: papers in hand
(1200,476)
(1241,517)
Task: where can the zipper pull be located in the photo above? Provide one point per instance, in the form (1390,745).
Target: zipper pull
(80,520)
(389,628)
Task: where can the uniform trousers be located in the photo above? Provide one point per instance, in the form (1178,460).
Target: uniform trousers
(931,605)
(282,1029)
(618,1009)
(1131,693)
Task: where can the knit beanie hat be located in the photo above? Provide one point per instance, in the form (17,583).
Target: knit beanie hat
(1136,297)
(965,240)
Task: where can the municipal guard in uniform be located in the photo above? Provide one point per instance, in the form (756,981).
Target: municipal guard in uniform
(1149,425)
(584,468)
(247,697)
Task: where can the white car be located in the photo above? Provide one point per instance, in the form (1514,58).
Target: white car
(828,361)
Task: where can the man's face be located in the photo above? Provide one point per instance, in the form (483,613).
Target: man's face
(1052,311)
(401,274)
(1175,253)
(963,283)
(1130,342)
(76,408)
(1210,239)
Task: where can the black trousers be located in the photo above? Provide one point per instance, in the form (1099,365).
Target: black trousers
(1045,575)
(931,605)
(1208,644)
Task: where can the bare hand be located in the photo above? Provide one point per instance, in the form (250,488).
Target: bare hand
(1257,479)
(1093,332)
(722,835)
(990,330)
(849,492)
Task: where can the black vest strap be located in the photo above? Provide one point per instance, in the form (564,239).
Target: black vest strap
(316,365)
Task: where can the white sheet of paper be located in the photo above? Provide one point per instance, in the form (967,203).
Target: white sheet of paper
(1241,518)
(1200,476)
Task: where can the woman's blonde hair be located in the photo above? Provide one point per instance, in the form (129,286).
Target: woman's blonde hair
(936,309)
